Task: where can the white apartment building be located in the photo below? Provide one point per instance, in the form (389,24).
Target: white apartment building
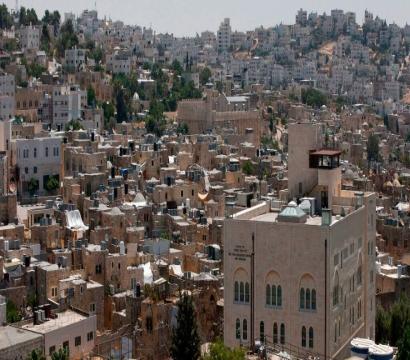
(74,58)
(68,102)
(224,35)
(69,329)
(37,158)
(302,278)
(119,63)
(30,37)
(7,108)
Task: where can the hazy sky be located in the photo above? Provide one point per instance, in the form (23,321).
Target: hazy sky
(186,17)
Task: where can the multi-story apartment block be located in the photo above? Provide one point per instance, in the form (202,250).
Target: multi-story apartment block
(38,159)
(68,102)
(74,58)
(30,37)
(303,279)
(224,35)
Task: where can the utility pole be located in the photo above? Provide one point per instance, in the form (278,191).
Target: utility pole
(253,294)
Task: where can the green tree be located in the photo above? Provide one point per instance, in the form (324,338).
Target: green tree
(185,339)
(36,355)
(52,183)
(28,16)
(313,97)
(45,39)
(33,186)
(373,148)
(218,351)
(74,125)
(404,345)
(109,112)
(5,18)
(182,128)
(382,326)
(12,313)
(61,354)
(121,106)
(177,67)
(205,75)
(91,98)
(67,39)
(248,167)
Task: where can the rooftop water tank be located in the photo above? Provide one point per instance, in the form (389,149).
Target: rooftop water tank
(360,347)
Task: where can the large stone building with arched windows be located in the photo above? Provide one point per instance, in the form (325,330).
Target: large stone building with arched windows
(297,279)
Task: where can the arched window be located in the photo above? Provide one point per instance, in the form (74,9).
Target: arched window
(279,295)
(241,292)
(238,329)
(303,336)
(236,291)
(274,303)
(245,329)
(247,292)
(311,338)
(313,299)
(35,152)
(302,298)
(282,333)
(262,332)
(275,333)
(268,298)
(307,299)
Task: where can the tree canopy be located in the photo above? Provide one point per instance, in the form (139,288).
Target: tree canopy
(185,339)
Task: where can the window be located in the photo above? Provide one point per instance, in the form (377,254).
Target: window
(282,333)
(311,338)
(92,308)
(238,329)
(26,170)
(90,336)
(273,295)
(303,336)
(268,297)
(336,259)
(279,294)
(77,341)
(46,151)
(98,269)
(302,298)
(275,333)
(241,292)
(35,170)
(262,332)
(247,292)
(51,350)
(236,291)
(66,345)
(307,299)
(313,307)
(359,275)
(35,152)
(53,291)
(245,329)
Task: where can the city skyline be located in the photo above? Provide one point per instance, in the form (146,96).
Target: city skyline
(157,13)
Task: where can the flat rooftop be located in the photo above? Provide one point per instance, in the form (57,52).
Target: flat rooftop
(11,336)
(272,217)
(63,319)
